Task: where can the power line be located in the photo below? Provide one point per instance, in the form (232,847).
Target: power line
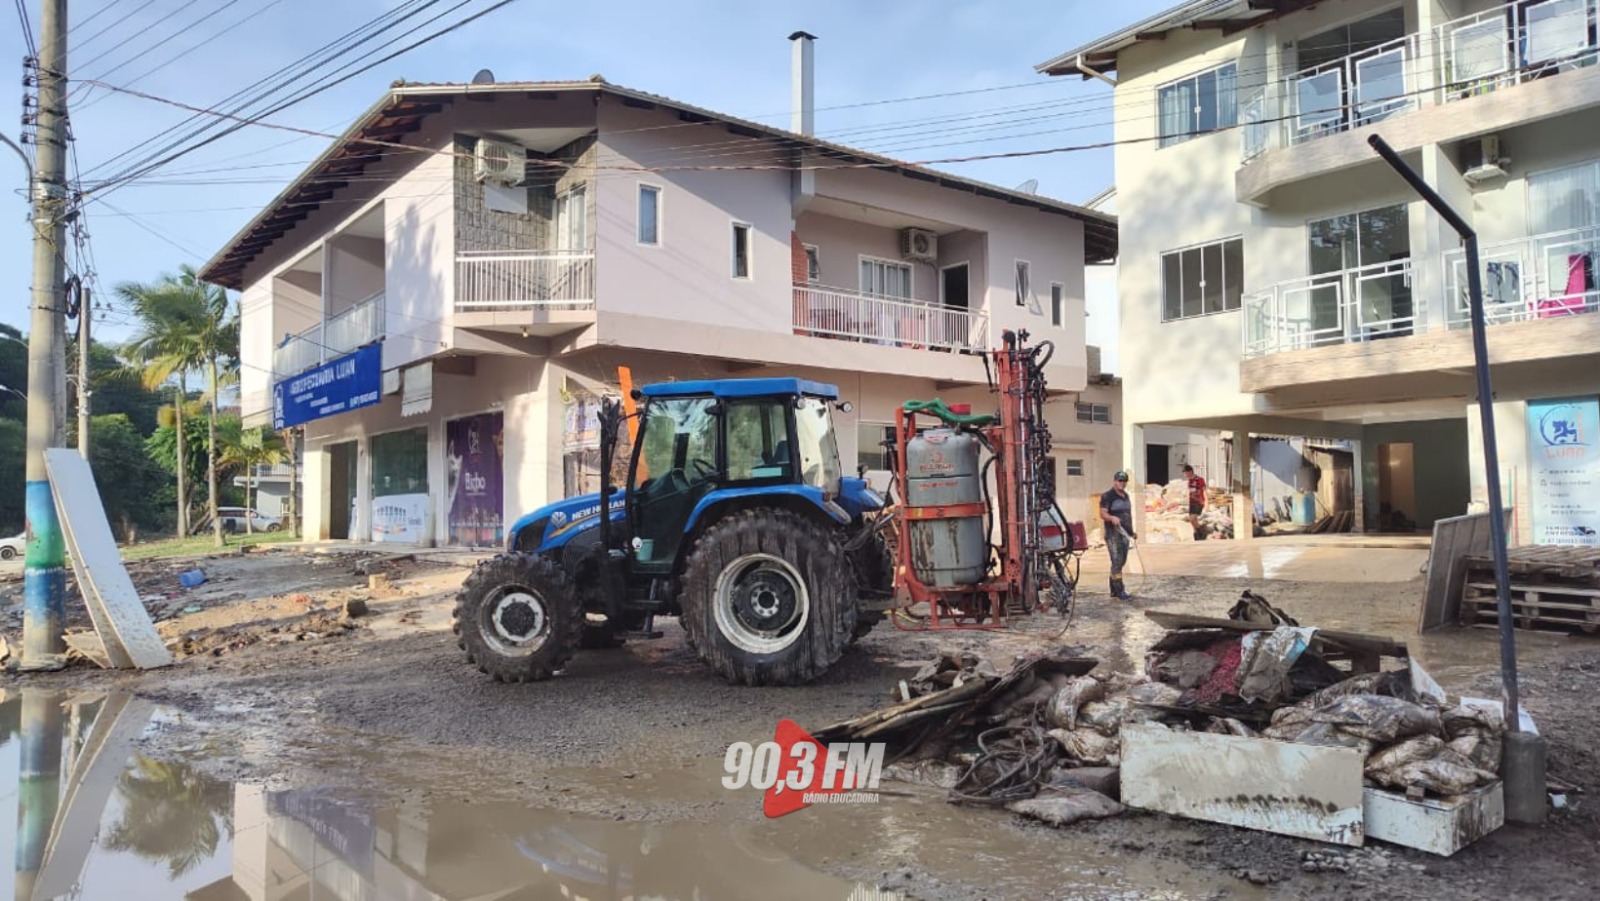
(90,39)
(256,11)
(27,28)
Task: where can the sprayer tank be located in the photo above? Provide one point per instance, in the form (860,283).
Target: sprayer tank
(942,470)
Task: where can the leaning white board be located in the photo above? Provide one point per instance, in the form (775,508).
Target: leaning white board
(113,602)
(1308,791)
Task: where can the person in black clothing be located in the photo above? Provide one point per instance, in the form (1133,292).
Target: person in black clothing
(1116,511)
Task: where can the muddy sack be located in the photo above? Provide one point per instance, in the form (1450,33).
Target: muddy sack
(1065,704)
(1378,718)
(1063,807)
(1394,684)
(1403,753)
(1479,750)
(1442,775)
(1089,747)
(1157,693)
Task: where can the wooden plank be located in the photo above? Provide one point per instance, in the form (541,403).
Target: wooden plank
(103,582)
(1307,791)
(1360,641)
(1541,589)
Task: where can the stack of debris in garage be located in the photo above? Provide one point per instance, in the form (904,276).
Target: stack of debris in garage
(1052,739)
(1166,509)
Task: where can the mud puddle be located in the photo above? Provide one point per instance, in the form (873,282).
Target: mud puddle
(99,815)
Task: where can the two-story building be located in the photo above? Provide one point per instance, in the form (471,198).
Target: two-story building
(1278,279)
(480,259)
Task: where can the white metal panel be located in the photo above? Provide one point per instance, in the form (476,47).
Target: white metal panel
(121,619)
(1308,791)
(1437,825)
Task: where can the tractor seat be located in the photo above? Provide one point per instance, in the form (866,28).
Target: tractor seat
(779,455)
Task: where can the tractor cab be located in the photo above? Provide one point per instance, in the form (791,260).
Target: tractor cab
(711,446)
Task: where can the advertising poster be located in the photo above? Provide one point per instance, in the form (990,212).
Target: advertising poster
(1564,470)
(400,518)
(475,457)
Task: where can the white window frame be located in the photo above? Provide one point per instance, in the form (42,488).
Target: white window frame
(813,263)
(883,429)
(1058,304)
(1165,141)
(1095,411)
(1022,275)
(943,302)
(563,217)
(911,277)
(638,229)
(1071,464)
(749,251)
(1221,244)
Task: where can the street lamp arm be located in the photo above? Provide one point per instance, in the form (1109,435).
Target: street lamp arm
(27,163)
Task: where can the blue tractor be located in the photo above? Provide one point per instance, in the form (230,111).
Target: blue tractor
(735,517)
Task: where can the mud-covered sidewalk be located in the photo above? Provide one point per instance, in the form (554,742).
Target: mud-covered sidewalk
(301,669)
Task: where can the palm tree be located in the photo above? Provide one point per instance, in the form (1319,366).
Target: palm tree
(247,450)
(185,325)
(172,813)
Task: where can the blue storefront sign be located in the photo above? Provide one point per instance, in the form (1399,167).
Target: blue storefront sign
(338,386)
(1564,463)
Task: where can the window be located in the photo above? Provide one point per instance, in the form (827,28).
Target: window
(1074,467)
(572,220)
(758,440)
(870,449)
(885,278)
(741,250)
(1057,305)
(1024,283)
(1099,413)
(818,448)
(1378,297)
(1201,280)
(1198,104)
(649,214)
(813,264)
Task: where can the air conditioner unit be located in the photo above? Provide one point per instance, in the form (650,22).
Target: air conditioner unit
(919,244)
(500,162)
(1484,162)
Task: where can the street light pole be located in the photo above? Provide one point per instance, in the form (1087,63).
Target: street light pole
(83,374)
(44,575)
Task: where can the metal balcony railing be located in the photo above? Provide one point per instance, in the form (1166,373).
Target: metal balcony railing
(848,315)
(1362,88)
(1353,305)
(1516,42)
(359,325)
(1547,276)
(489,281)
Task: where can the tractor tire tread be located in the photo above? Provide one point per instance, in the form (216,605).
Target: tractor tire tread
(561,606)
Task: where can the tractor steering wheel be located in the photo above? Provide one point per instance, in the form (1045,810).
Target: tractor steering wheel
(704,470)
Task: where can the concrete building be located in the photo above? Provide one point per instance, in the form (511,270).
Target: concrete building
(499,250)
(1277,279)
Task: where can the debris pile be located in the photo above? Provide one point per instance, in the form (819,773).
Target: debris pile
(1166,510)
(1045,739)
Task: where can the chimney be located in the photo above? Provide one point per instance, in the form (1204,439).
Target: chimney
(801,83)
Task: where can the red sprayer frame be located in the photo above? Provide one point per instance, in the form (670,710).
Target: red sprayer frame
(983,605)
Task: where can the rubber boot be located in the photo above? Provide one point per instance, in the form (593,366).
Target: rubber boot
(1118,591)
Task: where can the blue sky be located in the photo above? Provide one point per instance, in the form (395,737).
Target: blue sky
(728,56)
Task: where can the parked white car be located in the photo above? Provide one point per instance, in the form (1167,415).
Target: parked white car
(12,548)
(234,518)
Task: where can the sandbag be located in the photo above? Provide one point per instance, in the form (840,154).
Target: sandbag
(1394,684)
(1332,736)
(1158,693)
(1462,719)
(1478,749)
(1402,753)
(1089,747)
(1442,775)
(1379,718)
(1288,722)
(1065,704)
(1227,725)
(1061,807)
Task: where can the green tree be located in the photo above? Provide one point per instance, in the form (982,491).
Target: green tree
(171,813)
(13,451)
(247,450)
(127,476)
(186,326)
(13,373)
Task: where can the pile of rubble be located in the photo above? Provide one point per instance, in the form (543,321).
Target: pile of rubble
(1166,509)
(1046,739)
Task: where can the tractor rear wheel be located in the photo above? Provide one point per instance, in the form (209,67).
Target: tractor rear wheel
(518,618)
(768,599)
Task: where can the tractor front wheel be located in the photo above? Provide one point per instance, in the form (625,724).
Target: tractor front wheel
(768,599)
(518,618)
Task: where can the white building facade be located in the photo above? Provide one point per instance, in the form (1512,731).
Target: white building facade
(1277,279)
(491,256)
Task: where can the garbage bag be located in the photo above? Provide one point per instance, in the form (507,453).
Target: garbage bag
(1478,749)
(1089,747)
(1379,718)
(1266,658)
(1444,775)
(1065,704)
(1062,807)
(1288,723)
(1185,669)
(1462,719)
(1332,736)
(1402,753)
(1394,684)
(1158,693)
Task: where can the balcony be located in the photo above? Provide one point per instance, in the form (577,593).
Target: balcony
(520,281)
(1515,43)
(851,316)
(1365,87)
(1546,276)
(357,326)
(1361,304)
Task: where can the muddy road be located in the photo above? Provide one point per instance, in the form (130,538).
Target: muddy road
(370,732)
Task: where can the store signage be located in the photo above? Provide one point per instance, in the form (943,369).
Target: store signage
(1564,471)
(338,386)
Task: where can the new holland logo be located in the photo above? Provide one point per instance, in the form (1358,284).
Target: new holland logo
(558,518)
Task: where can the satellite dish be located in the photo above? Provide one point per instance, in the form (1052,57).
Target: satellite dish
(484,76)
(1031,186)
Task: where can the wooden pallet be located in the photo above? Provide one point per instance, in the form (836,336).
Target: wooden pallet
(1533,605)
(1570,562)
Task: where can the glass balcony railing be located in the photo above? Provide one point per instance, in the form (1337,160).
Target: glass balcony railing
(1365,303)
(1514,43)
(1544,276)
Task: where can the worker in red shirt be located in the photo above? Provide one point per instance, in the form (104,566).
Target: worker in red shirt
(1197,498)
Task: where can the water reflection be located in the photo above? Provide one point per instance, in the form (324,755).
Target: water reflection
(94,820)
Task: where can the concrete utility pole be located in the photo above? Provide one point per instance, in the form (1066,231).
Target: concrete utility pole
(44,579)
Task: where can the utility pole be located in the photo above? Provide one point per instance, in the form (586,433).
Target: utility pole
(45,578)
(83,374)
